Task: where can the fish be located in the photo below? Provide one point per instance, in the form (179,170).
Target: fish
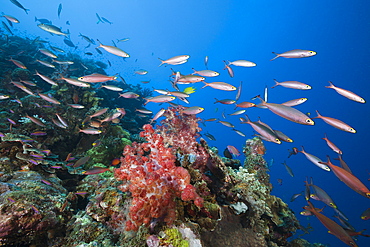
(90,131)
(206,73)
(237,113)
(178,94)
(16,3)
(282,136)
(105,19)
(62,120)
(95,77)
(265,98)
(292,84)
(141,72)
(52,29)
(58,123)
(75,82)
(206,62)
(366,214)
(288,169)
(114,50)
(210,136)
(76,106)
(220,85)
(315,160)
(349,179)
(288,112)
(129,95)
(343,164)
(99,19)
(64,62)
(225,123)
(225,101)
(239,92)
(242,63)
(49,99)
(45,63)
(95,170)
(158,115)
(11,18)
(47,79)
(336,123)
(192,110)
(297,53)
(294,102)
(99,113)
(263,130)
(59,10)
(229,70)
(346,93)
(68,42)
(112,88)
(36,121)
(38,133)
(176,60)
(7,28)
(143,110)
(245,104)
(321,195)
(159,99)
(18,63)
(47,53)
(239,132)
(295,196)
(43,21)
(89,40)
(308,213)
(57,49)
(123,40)
(332,145)
(233,150)
(186,79)
(333,227)
(81,161)
(3,96)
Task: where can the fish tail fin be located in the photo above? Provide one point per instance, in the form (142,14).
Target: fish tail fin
(277,55)
(331,85)
(216,101)
(318,114)
(26,10)
(36,19)
(162,62)
(225,65)
(206,84)
(276,83)
(247,119)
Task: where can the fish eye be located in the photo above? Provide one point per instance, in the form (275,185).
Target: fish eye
(308,120)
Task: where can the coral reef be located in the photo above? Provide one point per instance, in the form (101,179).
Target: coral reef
(171,188)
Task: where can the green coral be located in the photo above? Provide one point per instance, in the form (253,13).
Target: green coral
(173,236)
(111,146)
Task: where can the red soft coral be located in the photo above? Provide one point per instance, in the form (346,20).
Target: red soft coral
(153,180)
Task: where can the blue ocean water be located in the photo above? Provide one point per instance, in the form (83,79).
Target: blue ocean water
(251,30)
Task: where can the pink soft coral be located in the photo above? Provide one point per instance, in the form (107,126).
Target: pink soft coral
(149,172)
